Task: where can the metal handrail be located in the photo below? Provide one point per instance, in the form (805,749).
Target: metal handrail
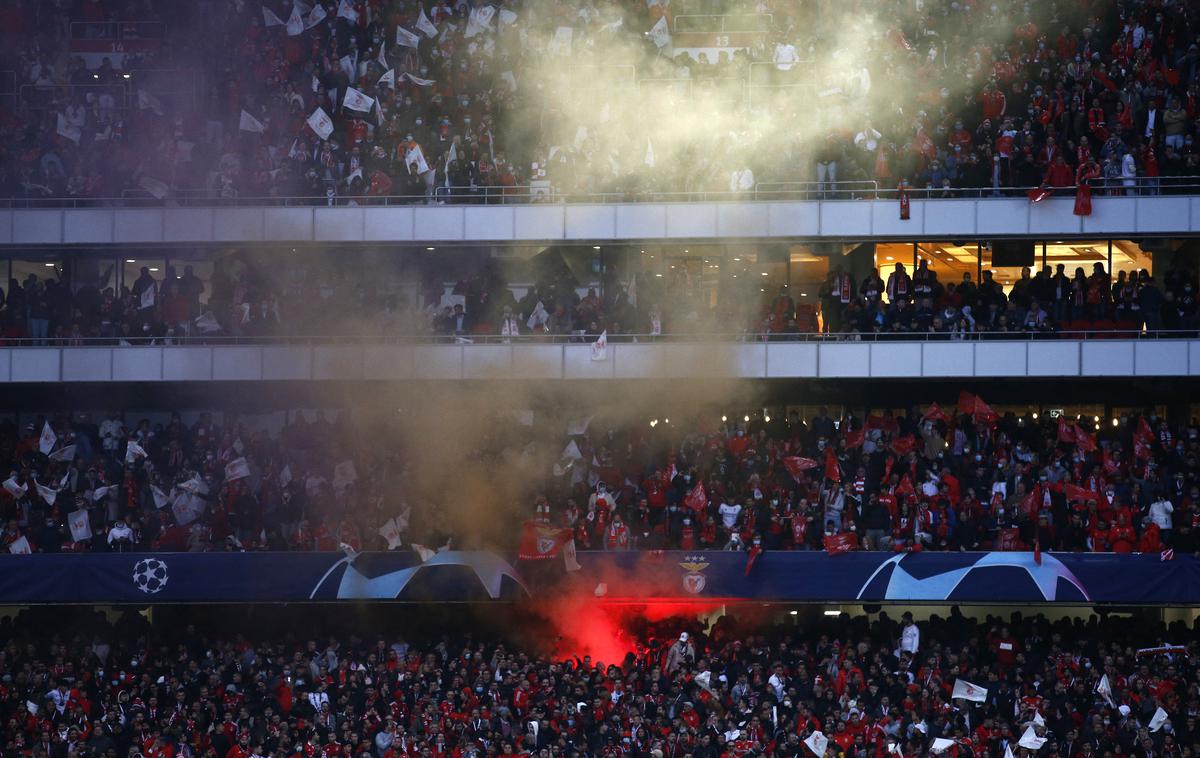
(468,339)
(723,17)
(766,191)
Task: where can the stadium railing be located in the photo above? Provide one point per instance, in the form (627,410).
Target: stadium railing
(529,194)
(579,339)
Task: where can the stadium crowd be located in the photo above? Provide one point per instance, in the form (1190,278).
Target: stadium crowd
(1064,689)
(959,478)
(457,101)
(244,299)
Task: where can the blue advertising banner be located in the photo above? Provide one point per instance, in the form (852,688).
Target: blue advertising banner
(255,577)
(1001,577)
(914,577)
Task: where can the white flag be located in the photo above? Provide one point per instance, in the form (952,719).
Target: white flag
(659,34)
(570,559)
(391,532)
(1105,690)
(416,80)
(406,38)
(967,691)
(295,23)
(47,494)
(160,497)
(572,451)
(66,454)
(68,130)
(156,187)
(425,26)
(65,481)
(1030,740)
(349,67)
(146,101)
(81,525)
(1008,753)
(479,21)
(578,427)
(147,299)
(315,17)
(32,707)
(415,155)
(539,315)
(649,153)
(13,488)
(320,123)
(357,101)
(560,43)
(251,124)
(237,469)
(507,17)
(1158,719)
(600,347)
(47,439)
(184,509)
(1038,720)
(270,19)
(133,451)
(207,323)
(388,79)
(941,744)
(194,485)
(20,546)
(424,552)
(344,475)
(285,475)
(346,11)
(100,493)
(817,743)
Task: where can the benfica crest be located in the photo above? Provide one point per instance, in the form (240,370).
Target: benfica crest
(694,581)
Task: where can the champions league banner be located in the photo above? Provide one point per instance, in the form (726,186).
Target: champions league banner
(454,576)
(256,577)
(1070,578)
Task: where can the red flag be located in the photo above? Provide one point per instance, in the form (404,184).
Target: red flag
(751,557)
(1144,431)
(966,403)
(831,466)
(905,487)
(1066,433)
(1038,194)
(697,500)
(1076,493)
(1083,440)
(1141,448)
(904,445)
(541,541)
(797,465)
(855,439)
(934,413)
(1032,503)
(984,412)
(836,544)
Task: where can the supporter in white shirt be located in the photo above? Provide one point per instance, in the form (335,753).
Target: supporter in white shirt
(120,533)
(867,139)
(729,514)
(1160,513)
(741,181)
(786,56)
(910,636)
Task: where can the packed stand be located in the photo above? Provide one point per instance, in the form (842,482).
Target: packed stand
(943,479)
(853,687)
(342,102)
(1050,302)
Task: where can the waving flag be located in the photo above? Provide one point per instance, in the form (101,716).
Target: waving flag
(20,546)
(134,451)
(600,347)
(796,465)
(249,123)
(320,123)
(406,38)
(66,454)
(1083,440)
(295,23)
(357,101)
(270,19)
(237,469)
(817,743)
(346,11)
(425,26)
(47,439)
(935,413)
(697,499)
(967,691)
(541,541)
(1105,690)
(316,16)
(832,470)
(660,34)
(81,525)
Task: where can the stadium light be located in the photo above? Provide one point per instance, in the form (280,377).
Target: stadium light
(1035,415)
(794,613)
(833,613)
(723,419)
